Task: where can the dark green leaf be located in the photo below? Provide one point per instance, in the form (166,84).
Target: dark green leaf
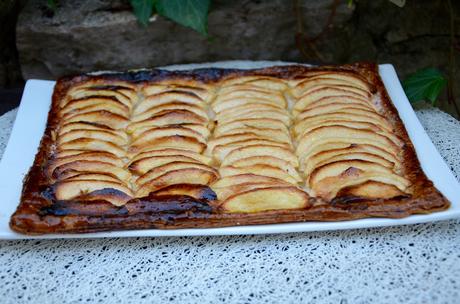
(190,13)
(399,3)
(425,84)
(51,5)
(143,9)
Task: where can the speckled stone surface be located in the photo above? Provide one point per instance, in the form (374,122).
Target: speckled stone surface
(408,264)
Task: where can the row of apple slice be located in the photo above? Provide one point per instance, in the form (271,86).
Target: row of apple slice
(345,147)
(252,144)
(91,143)
(169,132)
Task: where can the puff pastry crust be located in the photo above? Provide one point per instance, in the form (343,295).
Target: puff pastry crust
(220,147)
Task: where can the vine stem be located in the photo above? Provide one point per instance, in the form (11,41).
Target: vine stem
(451,80)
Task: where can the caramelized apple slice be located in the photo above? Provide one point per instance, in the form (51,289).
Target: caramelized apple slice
(259,169)
(126,97)
(86,176)
(172,117)
(250,108)
(171,106)
(251,93)
(314,163)
(226,104)
(170,151)
(95,134)
(90,144)
(229,181)
(168,97)
(173,141)
(338,145)
(328,187)
(371,190)
(90,166)
(353,125)
(266,82)
(343,134)
(143,165)
(345,114)
(178,165)
(221,151)
(83,155)
(225,192)
(102,117)
(338,167)
(250,122)
(350,78)
(321,81)
(199,192)
(257,114)
(363,151)
(265,199)
(102,101)
(93,108)
(152,134)
(342,100)
(261,150)
(115,193)
(269,160)
(328,108)
(232,138)
(277,135)
(339,122)
(238,87)
(80,126)
(199,92)
(182,176)
(348,88)
(204,131)
(315,95)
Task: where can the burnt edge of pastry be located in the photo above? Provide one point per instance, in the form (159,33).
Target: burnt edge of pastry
(39,212)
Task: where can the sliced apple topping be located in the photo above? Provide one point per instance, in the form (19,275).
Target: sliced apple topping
(91,144)
(102,117)
(181,176)
(143,165)
(178,165)
(170,106)
(261,150)
(168,97)
(165,118)
(226,104)
(265,199)
(115,193)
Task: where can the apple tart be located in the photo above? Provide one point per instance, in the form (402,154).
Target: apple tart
(221,147)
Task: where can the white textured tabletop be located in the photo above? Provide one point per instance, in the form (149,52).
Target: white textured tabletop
(409,264)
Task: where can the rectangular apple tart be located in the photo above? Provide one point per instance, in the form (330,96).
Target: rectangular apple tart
(221,147)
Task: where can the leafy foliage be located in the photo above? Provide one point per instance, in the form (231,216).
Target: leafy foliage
(143,9)
(425,84)
(189,13)
(51,5)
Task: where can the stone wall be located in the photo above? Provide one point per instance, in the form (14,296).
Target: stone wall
(92,35)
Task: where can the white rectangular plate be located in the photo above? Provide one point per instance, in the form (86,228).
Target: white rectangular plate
(30,125)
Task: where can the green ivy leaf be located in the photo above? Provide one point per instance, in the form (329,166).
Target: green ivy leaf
(425,84)
(399,3)
(190,13)
(143,9)
(51,5)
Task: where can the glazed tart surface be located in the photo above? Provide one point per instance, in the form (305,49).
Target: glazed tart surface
(220,147)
